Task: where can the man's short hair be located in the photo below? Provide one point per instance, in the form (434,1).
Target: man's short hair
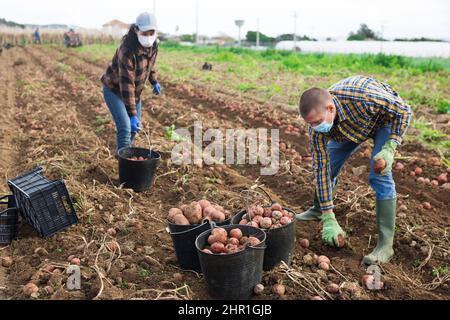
(312,99)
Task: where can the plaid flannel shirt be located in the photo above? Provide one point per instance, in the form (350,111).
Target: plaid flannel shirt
(128,72)
(363,105)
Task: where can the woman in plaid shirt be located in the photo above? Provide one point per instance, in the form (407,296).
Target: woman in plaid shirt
(125,78)
(340,119)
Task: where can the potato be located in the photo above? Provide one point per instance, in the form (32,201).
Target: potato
(208,211)
(267,212)
(218,208)
(218,216)
(421,180)
(368,281)
(426,205)
(253,224)
(75,261)
(333,288)
(324,266)
(434,183)
(304,243)
(243,222)
(181,220)
(30,288)
(442,178)
(178,277)
(418,171)
(259,211)
(399,166)
(111,232)
(231,248)
(379,165)
(323,259)
(7,262)
(217,247)
(308,259)
(236,233)
(285,220)
(207,251)
(233,241)
(172,213)
(257,219)
(266,223)
(193,213)
(276,207)
(253,241)
(277,215)
(279,290)
(243,240)
(259,288)
(211,239)
(315,258)
(316,298)
(220,231)
(204,203)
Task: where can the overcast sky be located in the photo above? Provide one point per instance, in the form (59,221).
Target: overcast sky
(317,18)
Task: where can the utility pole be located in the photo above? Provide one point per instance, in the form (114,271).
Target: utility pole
(197,40)
(239,24)
(295,30)
(257,32)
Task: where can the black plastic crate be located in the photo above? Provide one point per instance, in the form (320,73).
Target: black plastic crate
(8,219)
(44,204)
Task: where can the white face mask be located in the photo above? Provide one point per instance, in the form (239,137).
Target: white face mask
(147,41)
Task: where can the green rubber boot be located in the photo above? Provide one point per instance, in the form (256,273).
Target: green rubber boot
(383,252)
(314,212)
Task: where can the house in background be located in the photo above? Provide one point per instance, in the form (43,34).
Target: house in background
(115,28)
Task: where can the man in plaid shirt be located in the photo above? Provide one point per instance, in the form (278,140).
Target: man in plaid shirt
(340,119)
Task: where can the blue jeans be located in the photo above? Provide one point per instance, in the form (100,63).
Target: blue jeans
(383,185)
(121,118)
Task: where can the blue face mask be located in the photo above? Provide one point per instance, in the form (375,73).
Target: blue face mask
(323,127)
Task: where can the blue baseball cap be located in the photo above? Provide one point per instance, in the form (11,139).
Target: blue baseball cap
(146,21)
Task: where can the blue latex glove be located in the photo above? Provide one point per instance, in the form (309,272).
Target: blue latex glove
(135,124)
(156,88)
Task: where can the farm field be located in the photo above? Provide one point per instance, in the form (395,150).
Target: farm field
(54,116)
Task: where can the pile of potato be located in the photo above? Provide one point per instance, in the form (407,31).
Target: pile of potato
(196,212)
(222,242)
(267,218)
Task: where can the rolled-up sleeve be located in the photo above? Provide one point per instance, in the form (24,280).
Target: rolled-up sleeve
(321,168)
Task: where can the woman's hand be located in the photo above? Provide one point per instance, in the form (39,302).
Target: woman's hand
(135,124)
(156,88)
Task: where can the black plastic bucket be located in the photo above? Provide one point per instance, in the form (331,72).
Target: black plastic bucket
(184,245)
(137,175)
(280,242)
(9,219)
(232,276)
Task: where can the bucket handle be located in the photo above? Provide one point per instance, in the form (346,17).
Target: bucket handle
(251,189)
